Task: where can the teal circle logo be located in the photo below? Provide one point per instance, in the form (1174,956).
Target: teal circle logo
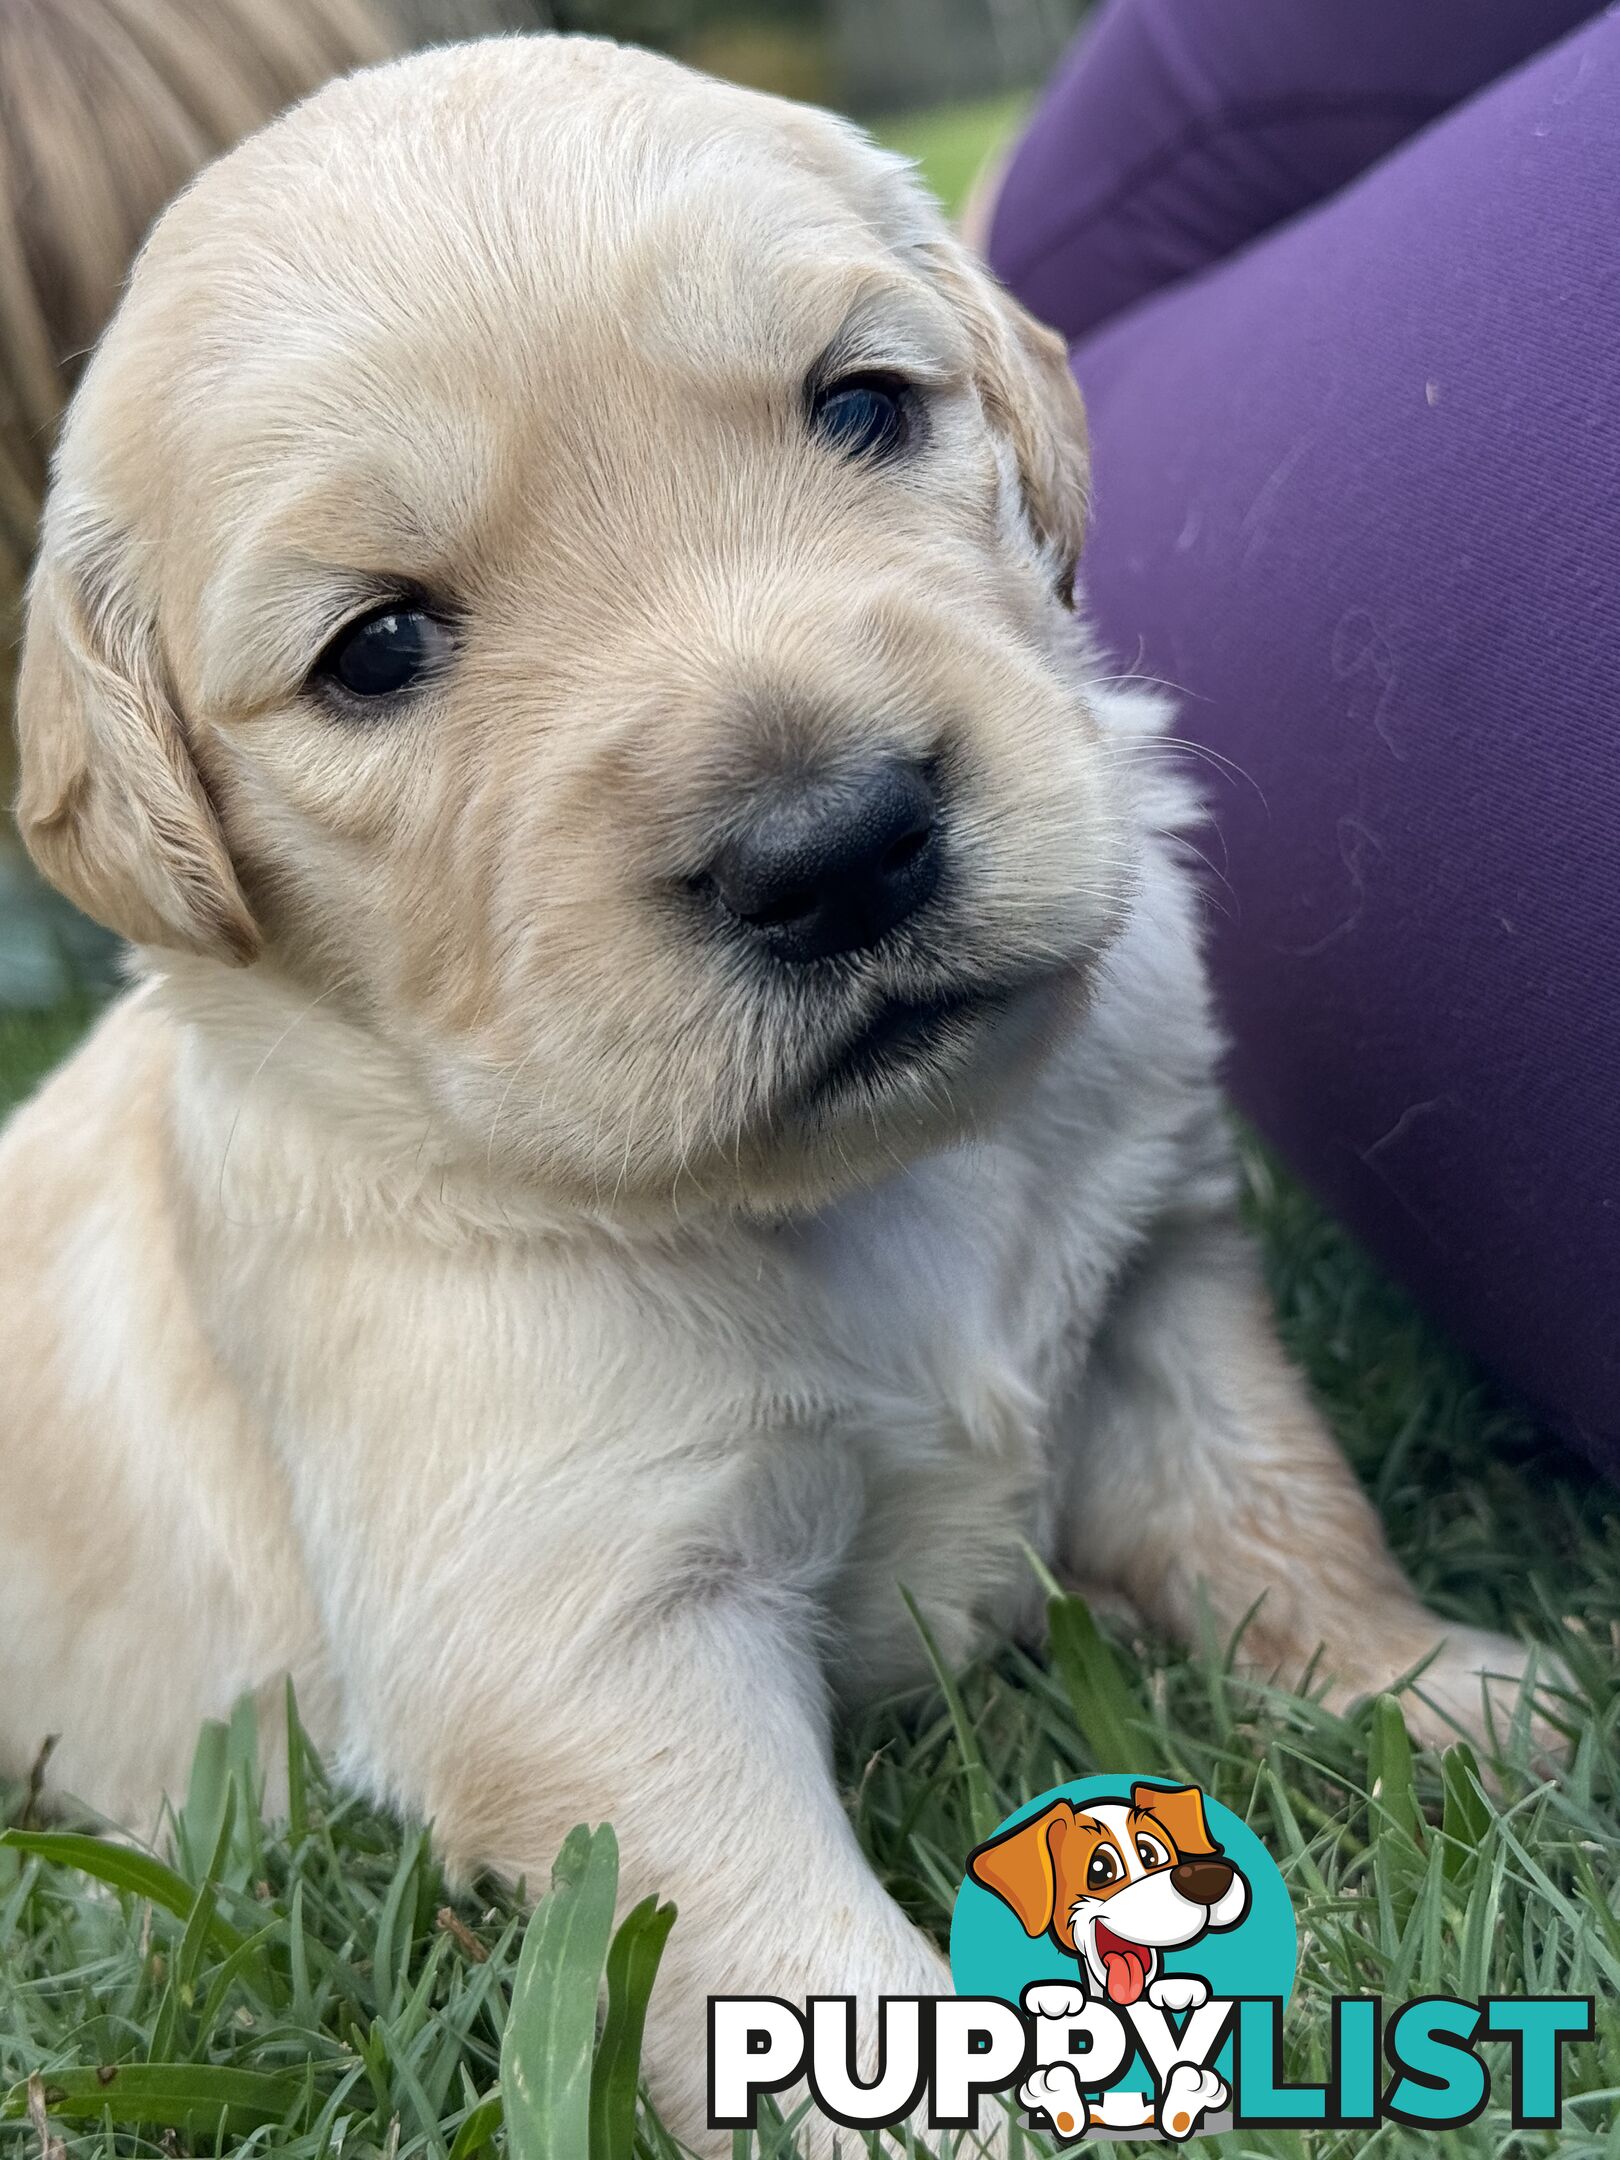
(1109,1903)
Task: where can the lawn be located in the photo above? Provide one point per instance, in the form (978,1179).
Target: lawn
(313,1988)
(951,143)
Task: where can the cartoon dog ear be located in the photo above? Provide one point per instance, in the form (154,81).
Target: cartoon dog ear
(1180,1811)
(111,806)
(1021,1866)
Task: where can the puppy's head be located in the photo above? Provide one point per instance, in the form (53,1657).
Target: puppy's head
(1118,1882)
(569,563)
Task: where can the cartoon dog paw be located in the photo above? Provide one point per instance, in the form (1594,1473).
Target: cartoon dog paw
(1189,2095)
(1055,2092)
(1179,1991)
(1054,1999)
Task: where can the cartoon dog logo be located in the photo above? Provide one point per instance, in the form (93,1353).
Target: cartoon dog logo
(1116,1884)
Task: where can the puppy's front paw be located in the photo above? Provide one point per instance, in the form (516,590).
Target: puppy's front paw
(1179,1991)
(1473,1688)
(1054,1999)
(1189,2095)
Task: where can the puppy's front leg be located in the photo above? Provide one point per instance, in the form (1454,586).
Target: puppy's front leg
(685,1706)
(1199,1479)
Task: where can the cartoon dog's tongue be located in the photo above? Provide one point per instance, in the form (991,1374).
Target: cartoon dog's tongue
(1126,1965)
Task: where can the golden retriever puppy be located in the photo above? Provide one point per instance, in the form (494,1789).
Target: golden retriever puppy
(672,1091)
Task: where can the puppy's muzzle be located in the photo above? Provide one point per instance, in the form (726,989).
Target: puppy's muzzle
(1203,1882)
(831,864)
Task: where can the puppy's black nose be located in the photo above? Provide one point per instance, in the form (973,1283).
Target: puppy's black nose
(831,865)
(1206,1882)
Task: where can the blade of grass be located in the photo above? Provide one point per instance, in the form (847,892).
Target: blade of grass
(196,1827)
(300,1763)
(183,1971)
(546,2055)
(177,2096)
(122,1868)
(982,1810)
(1465,1820)
(1389,1769)
(632,1967)
(1100,1697)
(478,2130)
(391,1956)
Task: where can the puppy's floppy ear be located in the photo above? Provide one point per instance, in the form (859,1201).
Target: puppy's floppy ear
(1020,368)
(1022,373)
(1180,1811)
(1021,1866)
(111,806)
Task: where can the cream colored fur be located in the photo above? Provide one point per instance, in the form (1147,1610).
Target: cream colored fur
(428,1280)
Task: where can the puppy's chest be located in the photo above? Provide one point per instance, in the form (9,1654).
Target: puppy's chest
(940,1323)
(919,1317)
(935,1327)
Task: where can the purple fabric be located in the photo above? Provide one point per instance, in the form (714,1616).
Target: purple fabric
(1359,495)
(1178,130)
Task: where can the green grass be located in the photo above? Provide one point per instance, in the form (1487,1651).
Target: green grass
(951,144)
(314,1989)
(32,1042)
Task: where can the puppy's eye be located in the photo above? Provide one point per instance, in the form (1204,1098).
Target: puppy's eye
(1103,1870)
(864,416)
(385,652)
(1150,1852)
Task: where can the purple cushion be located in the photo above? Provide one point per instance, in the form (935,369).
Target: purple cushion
(1359,496)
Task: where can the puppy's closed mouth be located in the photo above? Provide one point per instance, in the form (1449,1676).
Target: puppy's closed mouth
(900,1033)
(908,1037)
